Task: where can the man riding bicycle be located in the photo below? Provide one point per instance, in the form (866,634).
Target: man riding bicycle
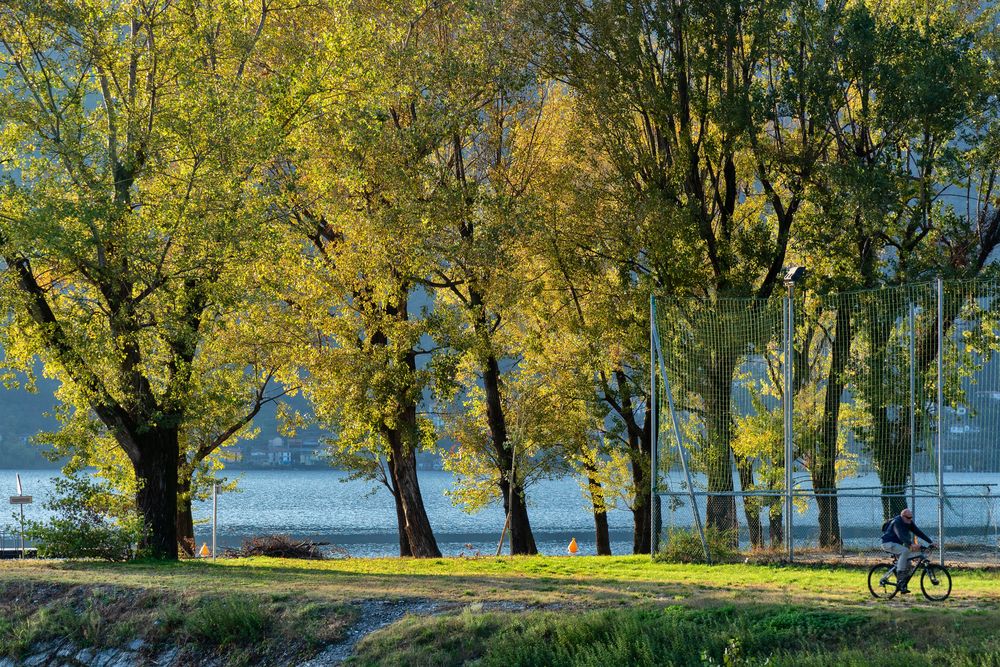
(896,539)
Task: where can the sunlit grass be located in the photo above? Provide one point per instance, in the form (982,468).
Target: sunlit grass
(572,593)
(539,579)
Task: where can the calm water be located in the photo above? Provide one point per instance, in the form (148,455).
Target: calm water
(321,505)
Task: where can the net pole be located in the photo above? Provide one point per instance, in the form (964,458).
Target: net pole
(913,413)
(940,412)
(654,433)
(680,443)
(787,396)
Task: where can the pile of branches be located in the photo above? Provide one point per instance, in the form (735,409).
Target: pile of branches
(279,546)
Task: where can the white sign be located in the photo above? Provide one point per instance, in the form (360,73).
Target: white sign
(20,491)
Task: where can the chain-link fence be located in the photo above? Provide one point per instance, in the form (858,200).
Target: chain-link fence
(804,421)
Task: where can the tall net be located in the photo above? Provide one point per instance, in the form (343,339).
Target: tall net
(870,433)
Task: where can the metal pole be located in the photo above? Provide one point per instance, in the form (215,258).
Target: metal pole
(913,413)
(788,405)
(510,501)
(940,412)
(22,531)
(215,514)
(680,448)
(654,433)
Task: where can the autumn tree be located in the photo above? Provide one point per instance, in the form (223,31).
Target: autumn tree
(132,215)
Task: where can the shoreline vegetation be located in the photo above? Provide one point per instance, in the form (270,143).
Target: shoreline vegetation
(486,611)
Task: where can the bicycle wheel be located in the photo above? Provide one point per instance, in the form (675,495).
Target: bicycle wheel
(935,582)
(882,581)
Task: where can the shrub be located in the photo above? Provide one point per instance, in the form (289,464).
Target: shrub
(88,521)
(684,546)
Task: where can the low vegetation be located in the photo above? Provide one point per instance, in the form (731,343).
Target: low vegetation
(246,629)
(677,635)
(685,546)
(493,611)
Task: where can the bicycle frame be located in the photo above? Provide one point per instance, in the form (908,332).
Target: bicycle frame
(935,581)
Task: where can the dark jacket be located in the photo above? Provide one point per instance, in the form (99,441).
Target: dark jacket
(898,531)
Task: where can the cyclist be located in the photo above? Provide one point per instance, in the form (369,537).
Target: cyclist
(896,540)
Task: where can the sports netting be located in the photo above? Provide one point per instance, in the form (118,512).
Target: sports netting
(870,431)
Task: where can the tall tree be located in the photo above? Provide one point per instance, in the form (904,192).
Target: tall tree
(353,193)
(909,115)
(131,222)
(707,111)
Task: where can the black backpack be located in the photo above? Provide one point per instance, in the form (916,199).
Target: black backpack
(885,525)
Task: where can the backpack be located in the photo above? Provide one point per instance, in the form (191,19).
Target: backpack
(885,524)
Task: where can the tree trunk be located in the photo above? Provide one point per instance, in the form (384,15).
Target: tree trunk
(404,539)
(185,519)
(720,512)
(890,450)
(776,524)
(522,541)
(521,538)
(410,504)
(824,468)
(156,475)
(893,475)
(751,504)
(601,534)
(640,445)
(416,538)
(641,517)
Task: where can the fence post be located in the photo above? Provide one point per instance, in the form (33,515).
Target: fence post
(654,437)
(215,514)
(654,331)
(787,399)
(913,413)
(940,412)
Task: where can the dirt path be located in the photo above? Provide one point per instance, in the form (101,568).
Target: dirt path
(375,615)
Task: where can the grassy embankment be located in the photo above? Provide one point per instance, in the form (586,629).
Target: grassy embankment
(582,611)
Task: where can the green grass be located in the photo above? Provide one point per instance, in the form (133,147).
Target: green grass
(623,608)
(535,580)
(229,621)
(242,628)
(727,635)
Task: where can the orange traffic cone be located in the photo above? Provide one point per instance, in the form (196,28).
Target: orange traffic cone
(204,552)
(573,549)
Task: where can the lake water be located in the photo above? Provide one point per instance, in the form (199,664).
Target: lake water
(321,505)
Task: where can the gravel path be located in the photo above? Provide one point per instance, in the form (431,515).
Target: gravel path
(375,615)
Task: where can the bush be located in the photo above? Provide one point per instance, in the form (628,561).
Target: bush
(89,522)
(684,546)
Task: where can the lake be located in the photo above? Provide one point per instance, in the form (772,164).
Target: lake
(322,505)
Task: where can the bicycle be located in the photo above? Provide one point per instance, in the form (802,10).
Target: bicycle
(935,581)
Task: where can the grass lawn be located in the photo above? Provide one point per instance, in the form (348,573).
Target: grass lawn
(572,611)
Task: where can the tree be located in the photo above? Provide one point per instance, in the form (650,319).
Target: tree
(909,117)
(708,115)
(481,217)
(132,213)
(352,190)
